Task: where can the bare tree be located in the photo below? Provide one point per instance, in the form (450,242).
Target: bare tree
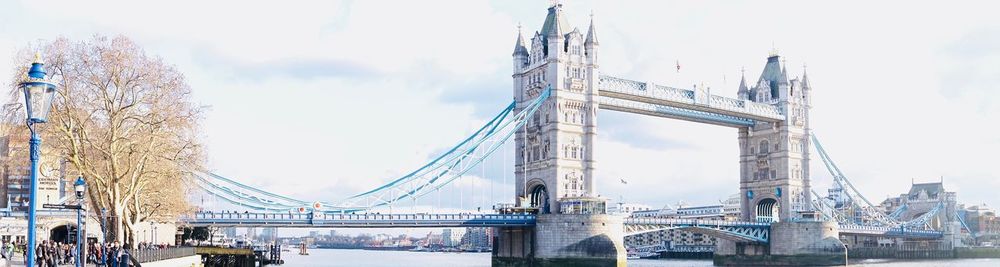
(125,121)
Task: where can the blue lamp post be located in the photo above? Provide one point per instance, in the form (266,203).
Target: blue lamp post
(80,187)
(38,94)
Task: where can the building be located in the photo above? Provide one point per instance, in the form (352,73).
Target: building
(53,185)
(627,208)
(981,224)
(452,237)
(433,240)
(268,234)
(921,199)
(679,240)
(478,238)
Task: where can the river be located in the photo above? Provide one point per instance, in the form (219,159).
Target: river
(370,258)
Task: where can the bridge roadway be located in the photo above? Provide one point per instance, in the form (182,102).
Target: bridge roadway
(743,231)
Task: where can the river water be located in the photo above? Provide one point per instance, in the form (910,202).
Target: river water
(370,258)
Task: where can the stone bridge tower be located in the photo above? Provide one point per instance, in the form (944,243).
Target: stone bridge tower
(774,157)
(554,156)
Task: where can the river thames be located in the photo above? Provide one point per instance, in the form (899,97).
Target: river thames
(370,258)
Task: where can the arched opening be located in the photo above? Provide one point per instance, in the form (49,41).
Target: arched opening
(540,198)
(767,210)
(63,233)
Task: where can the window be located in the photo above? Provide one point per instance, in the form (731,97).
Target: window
(763,146)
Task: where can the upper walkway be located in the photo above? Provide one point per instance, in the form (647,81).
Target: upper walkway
(694,105)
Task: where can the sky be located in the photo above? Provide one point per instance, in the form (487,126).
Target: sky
(321,99)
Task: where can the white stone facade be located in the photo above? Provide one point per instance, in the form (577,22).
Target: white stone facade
(774,157)
(554,153)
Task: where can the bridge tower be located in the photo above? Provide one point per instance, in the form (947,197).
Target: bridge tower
(774,157)
(554,153)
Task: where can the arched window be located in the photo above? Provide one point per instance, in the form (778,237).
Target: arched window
(763,146)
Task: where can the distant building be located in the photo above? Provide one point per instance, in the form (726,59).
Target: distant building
(627,208)
(680,240)
(478,238)
(452,237)
(229,232)
(982,224)
(268,234)
(433,240)
(921,199)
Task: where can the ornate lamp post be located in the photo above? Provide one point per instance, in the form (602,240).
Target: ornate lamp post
(80,186)
(38,94)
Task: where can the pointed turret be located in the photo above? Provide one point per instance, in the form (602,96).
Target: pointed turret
(744,92)
(519,48)
(784,73)
(805,79)
(591,33)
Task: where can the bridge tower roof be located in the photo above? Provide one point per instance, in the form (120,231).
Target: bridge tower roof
(555,22)
(773,73)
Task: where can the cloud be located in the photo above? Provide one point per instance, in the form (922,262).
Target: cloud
(291,68)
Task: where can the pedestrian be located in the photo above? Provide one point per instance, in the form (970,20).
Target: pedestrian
(124,258)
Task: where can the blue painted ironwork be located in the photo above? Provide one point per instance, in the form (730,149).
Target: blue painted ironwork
(437,173)
(327,220)
(624,105)
(37,91)
(743,231)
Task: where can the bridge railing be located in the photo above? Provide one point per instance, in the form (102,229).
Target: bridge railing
(150,255)
(327,219)
(693,222)
(890,231)
(688,97)
(367,216)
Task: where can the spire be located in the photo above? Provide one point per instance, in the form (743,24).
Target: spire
(743,83)
(591,32)
(554,22)
(519,48)
(784,72)
(805,78)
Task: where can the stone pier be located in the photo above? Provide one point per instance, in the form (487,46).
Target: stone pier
(563,240)
(798,243)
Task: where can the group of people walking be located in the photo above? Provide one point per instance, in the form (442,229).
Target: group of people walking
(51,254)
(110,254)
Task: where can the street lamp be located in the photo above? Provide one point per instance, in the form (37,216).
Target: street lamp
(104,235)
(38,94)
(80,186)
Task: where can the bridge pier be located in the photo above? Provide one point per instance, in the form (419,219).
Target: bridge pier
(563,240)
(797,243)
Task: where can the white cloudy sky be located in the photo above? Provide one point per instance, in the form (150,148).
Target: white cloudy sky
(320,99)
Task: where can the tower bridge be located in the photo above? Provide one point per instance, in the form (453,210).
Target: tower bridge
(558,88)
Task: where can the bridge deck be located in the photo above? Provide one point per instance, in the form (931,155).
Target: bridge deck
(358,220)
